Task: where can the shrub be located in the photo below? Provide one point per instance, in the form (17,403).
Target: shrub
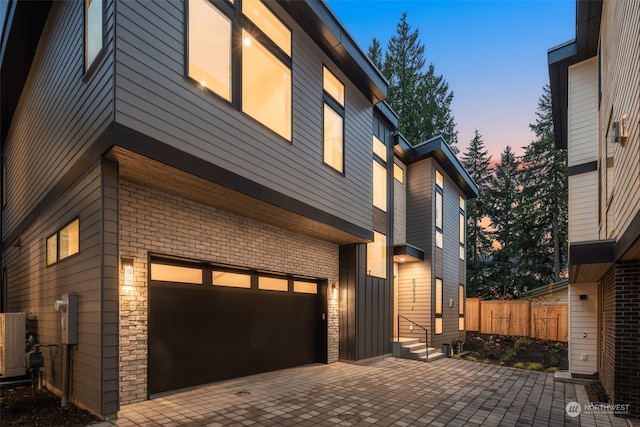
(554,355)
(509,356)
(472,358)
(534,366)
(519,365)
(485,361)
(552,369)
(521,344)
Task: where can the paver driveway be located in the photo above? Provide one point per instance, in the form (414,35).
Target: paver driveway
(389,391)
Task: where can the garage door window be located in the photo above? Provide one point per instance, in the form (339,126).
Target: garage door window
(305,287)
(232,280)
(273,284)
(176,274)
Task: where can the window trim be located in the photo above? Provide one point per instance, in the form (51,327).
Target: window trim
(339,109)
(56,234)
(89,67)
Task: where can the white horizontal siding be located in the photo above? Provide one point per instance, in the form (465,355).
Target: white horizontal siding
(583,207)
(583,112)
(583,319)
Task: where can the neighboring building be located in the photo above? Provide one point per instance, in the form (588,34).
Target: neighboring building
(554,293)
(595,85)
(216,182)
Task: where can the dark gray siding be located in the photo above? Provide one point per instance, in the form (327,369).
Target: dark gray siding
(59,114)
(155,98)
(33,287)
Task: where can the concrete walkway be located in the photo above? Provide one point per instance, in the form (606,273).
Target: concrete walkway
(386,392)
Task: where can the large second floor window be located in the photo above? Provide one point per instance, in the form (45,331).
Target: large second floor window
(333,97)
(259,84)
(438,307)
(438,209)
(93,36)
(462,230)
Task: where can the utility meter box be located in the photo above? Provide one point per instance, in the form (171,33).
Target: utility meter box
(12,341)
(68,308)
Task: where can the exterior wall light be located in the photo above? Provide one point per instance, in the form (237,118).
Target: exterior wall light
(334,290)
(127,269)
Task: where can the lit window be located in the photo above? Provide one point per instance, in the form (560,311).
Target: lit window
(462,229)
(333,96)
(268,23)
(93,38)
(232,280)
(333,138)
(438,307)
(379,149)
(210,47)
(439,180)
(64,243)
(438,214)
(176,274)
(377,256)
(398,173)
(305,287)
(266,87)
(379,186)
(273,284)
(461,301)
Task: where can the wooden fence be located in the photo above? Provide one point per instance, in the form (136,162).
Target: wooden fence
(520,318)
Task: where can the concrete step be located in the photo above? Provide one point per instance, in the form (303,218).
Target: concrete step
(412,348)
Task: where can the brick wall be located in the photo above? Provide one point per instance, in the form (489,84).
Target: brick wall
(399,211)
(627,346)
(608,331)
(154,221)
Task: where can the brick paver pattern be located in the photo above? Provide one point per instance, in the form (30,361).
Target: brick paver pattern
(386,392)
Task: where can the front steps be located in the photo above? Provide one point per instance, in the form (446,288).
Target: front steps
(412,348)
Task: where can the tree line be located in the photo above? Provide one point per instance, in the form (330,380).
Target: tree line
(517,226)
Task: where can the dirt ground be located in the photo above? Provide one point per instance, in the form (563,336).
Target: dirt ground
(19,407)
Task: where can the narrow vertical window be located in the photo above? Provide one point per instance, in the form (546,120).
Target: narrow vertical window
(377,256)
(438,307)
(462,229)
(333,96)
(379,186)
(461,301)
(209,49)
(438,209)
(398,173)
(93,36)
(4,182)
(379,149)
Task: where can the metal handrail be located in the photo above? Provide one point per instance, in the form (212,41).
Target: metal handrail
(426,331)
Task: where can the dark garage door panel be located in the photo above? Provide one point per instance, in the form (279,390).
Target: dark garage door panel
(200,334)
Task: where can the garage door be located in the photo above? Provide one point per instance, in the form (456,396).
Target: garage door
(209,323)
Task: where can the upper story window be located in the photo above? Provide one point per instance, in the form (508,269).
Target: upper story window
(379,186)
(438,209)
(379,149)
(333,97)
(398,173)
(259,84)
(93,31)
(4,182)
(63,243)
(463,222)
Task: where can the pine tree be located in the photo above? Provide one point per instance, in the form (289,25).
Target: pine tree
(542,224)
(421,99)
(476,161)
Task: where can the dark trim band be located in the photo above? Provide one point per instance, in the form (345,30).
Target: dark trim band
(583,168)
(596,252)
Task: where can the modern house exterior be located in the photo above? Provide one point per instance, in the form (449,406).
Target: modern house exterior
(222,187)
(595,87)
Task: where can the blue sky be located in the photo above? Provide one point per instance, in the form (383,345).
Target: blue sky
(493,54)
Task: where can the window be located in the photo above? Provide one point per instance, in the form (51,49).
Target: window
(93,37)
(377,256)
(379,186)
(63,243)
(333,96)
(273,284)
(438,307)
(260,84)
(176,274)
(462,227)
(4,182)
(232,280)
(210,47)
(398,173)
(438,209)
(305,287)
(461,301)
(379,149)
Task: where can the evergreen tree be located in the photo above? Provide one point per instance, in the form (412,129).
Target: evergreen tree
(542,224)
(476,161)
(421,99)
(502,200)
(375,53)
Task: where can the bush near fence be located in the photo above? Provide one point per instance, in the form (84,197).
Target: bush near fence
(519,318)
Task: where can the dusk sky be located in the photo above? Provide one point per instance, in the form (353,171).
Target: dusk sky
(493,54)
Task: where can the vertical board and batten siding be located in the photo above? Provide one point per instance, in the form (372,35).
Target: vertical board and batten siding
(154,97)
(583,207)
(58,115)
(583,319)
(33,288)
(583,148)
(620,47)
(583,112)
